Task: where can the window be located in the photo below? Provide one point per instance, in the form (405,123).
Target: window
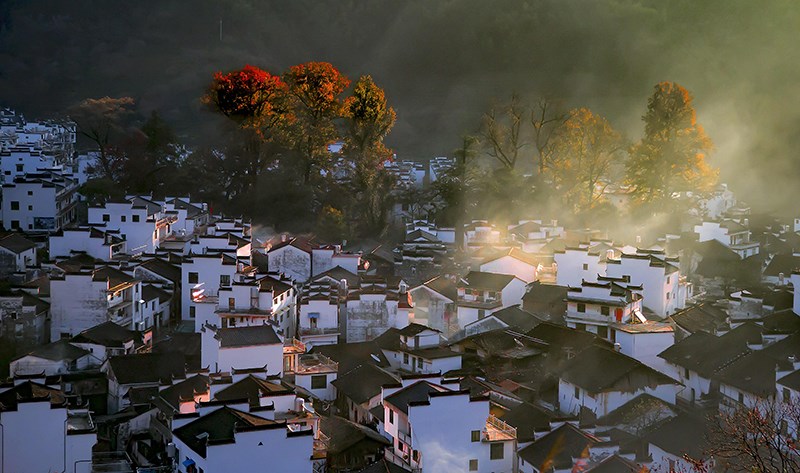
(30,192)
(419,363)
(577,392)
(668,296)
(473,465)
(391,416)
(193,278)
(106,217)
(581,307)
(786,395)
(224,280)
(605,310)
(30,208)
(415,455)
(20,168)
(405,358)
(585,267)
(14,205)
(231,303)
(686,373)
(135,218)
(122,218)
(15,224)
(192,310)
(319,381)
(496,451)
(741,398)
(475,435)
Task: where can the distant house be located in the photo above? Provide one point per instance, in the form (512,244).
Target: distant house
(350,445)
(730,233)
(435,303)
(546,301)
(557,451)
(16,253)
(418,349)
(480,294)
(108,339)
(96,242)
(584,386)
(41,432)
(593,306)
(251,346)
(54,358)
(514,262)
(144,370)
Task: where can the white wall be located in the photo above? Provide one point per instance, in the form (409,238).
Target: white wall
(510,265)
(34,440)
(571,265)
(605,402)
(76,304)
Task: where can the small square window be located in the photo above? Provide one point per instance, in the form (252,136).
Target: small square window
(496,451)
(135,218)
(193,278)
(319,381)
(605,310)
(30,192)
(585,267)
(192,311)
(581,307)
(391,416)
(473,465)
(30,208)
(577,392)
(405,358)
(475,435)
(419,363)
(122,218)
(106,217)
(14,205)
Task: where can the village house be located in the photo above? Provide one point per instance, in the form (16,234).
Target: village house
(732,234)
(17,254)
(418,349)
(62,439)
(202,276)
(435,303)
(140,221)
(103,245)
(599,380)
(593,306)
(301,259)
(40,202)
(318,313)
(663,290)
(480,294)
(85,298)
(23,321)
(140,373)
(582,263)
(514,262)
(374,305)
(253,346)
(53,358)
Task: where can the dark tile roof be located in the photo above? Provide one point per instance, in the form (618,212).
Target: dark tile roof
(151,293)
(681,435)
(184,390)
(791,381)
(30,391)
(77,262)
(251,388)
(415,392)
(412,329)
(528,419)
(57,351)
(782,263)
(114,276)
(560,336)
(643,406)
(363,382)
(219,426)
(350,355)
(617,464)
(703,317)
(753,373)
(557,449)
(164,269)
(148,368)
(546,299)
(781,322)
(517,319)
(344,434)
(706,354)
(107,334)
(444,286)
(16,243)
(487,281)
(338,273)
(784,348)
(187,344)
(598,369)
(273,285)
(247,336)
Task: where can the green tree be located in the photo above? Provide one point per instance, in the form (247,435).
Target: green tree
(369,121)
(106,122)
(671,157)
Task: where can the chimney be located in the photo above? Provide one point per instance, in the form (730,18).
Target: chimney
(609,254)
(781,279)
(343,287)
(617,347)
(403,287)
(284,237)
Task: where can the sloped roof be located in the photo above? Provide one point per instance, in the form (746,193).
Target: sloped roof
(415,392)
(516,318)
(338,273)
(184,390)
(617,464)
(350,355)
(384,466)
(252,335)
(148,368)
(150,293)
(60,350)
(251,388)
(528,419)
(444,286)
(598,369)
(753,373)
(707,354)
(344,434)
(782,263)
(107,334)
(413,329)
(488,281)
(163,268)
(557,449)
(681,435)
(16,243)
(219,426)
(30,391)
(703,317)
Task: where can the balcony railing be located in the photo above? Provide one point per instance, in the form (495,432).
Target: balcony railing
(316,363)
(497,430)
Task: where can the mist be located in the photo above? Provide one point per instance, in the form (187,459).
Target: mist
(441,64)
